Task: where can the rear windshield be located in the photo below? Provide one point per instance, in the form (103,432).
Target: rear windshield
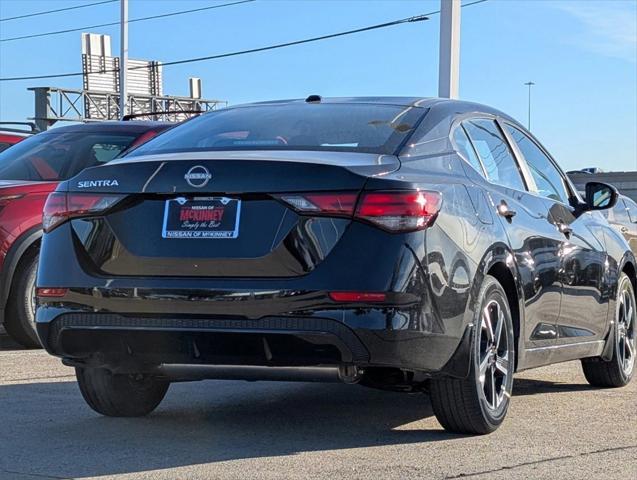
(365,128)
(57,156)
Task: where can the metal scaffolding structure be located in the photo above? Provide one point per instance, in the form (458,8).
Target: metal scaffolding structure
(99,99)
(54,104)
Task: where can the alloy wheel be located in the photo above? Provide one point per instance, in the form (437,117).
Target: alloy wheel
(31,299)
(626,337)
(494,365)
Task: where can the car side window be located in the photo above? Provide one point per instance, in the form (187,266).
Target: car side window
(95,150)
(466,149)
(498,161)
(105,152)
(620,212)
(549,180)
(631,209)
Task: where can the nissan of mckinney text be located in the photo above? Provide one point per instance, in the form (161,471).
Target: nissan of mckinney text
(408,244)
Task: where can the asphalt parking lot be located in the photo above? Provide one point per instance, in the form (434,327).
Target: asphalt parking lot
(558,427)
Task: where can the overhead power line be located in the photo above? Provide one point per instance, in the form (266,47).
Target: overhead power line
(417,18)
(111,24)
(46,12)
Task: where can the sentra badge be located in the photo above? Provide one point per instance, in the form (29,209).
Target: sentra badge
(97,183)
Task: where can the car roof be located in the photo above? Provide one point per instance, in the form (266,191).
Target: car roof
(442,105)
(398,101)
(134,126)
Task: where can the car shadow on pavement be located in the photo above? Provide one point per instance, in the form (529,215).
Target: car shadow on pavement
(54,433)
(7,344)
(525,386)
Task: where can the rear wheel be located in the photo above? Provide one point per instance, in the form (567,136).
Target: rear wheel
(479,403)
(620,369)
(20,316)
(118,395)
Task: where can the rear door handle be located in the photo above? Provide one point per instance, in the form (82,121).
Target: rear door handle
(505,211)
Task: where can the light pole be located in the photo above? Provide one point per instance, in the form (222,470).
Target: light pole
(449,66)
(528,125)
(123,57)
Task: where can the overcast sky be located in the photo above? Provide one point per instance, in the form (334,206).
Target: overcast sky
(582,55)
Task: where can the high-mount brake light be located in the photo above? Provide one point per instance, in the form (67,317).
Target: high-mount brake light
(63,206)
(143,139)
(395,211)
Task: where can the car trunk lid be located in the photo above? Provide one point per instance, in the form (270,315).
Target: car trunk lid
(218,214)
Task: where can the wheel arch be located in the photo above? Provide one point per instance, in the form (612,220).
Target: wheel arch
(628,267)
(500,263)
(502,273)
(23,244)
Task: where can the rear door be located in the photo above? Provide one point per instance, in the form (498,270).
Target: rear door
(582,254)
(534,240)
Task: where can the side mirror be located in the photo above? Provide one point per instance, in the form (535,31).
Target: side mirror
(600,196)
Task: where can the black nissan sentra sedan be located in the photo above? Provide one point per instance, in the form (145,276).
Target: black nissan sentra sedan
(399,243)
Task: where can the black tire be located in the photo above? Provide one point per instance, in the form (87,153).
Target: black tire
(19,320)
(617,372)
(461,405)
(116,395)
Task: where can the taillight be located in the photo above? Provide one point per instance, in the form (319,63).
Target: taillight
(400,211)
(395,211)
(322,203)
(62,206)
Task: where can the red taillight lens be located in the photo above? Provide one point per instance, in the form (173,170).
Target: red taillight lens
(54,211)
(357,297)
(62,206)
(50,292)
(322,203)
(400,211)
(396,211)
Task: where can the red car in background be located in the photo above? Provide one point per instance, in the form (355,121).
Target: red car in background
(31,170)
(12,135)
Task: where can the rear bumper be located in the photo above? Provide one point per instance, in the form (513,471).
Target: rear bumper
(136,343)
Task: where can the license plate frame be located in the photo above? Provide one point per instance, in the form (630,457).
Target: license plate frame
(182,221)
